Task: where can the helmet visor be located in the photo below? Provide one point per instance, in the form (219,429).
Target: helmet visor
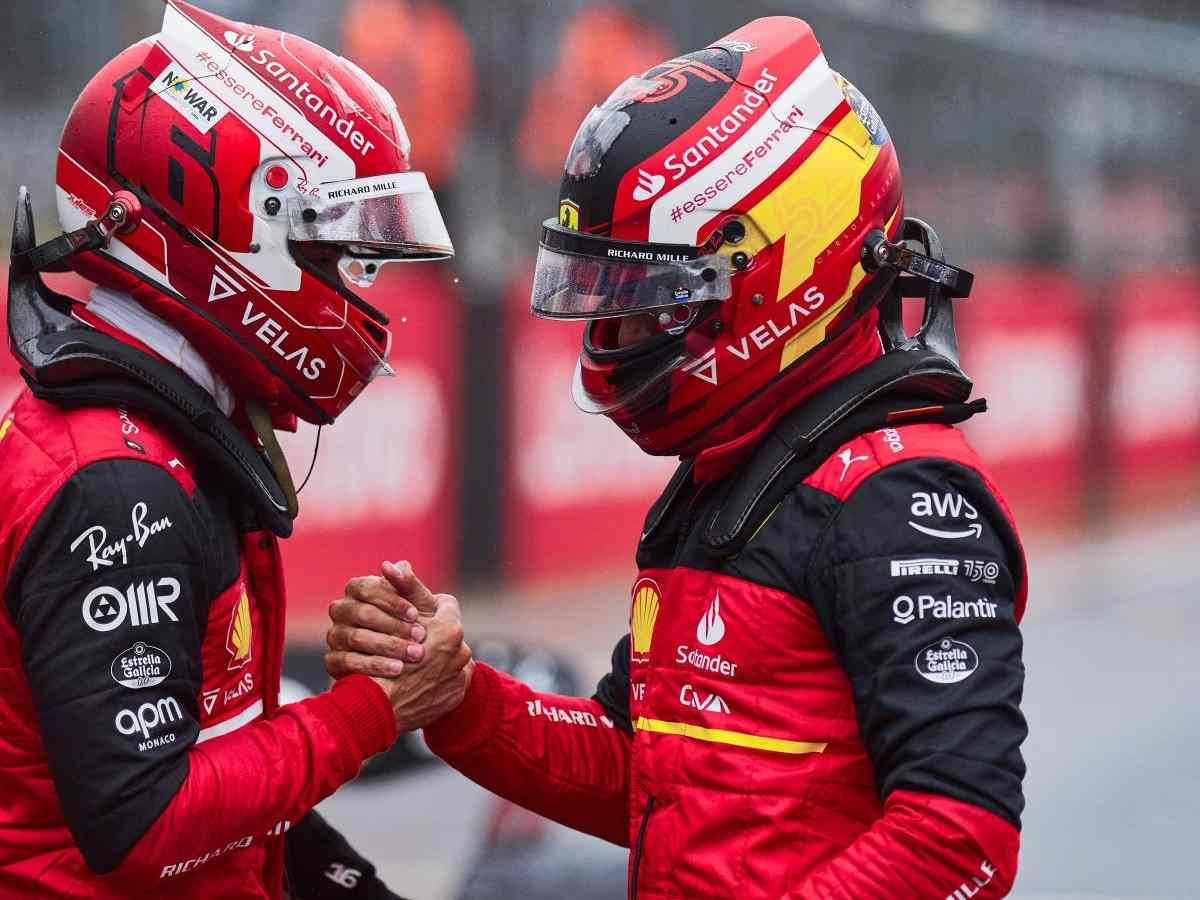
(582,276)
(394,216)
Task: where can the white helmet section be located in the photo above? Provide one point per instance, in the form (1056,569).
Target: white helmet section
(725,164)
(285,134)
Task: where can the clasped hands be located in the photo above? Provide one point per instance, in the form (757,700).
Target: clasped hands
(408,639)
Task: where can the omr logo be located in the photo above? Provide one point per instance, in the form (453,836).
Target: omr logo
(711,627)
(648,185)
(106,608)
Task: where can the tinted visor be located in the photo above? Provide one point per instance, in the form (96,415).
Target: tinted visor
(582,276)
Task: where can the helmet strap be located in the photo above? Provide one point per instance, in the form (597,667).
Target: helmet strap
(121,215)
(260,421)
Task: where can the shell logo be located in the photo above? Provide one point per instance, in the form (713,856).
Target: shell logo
(643,616)
(240,640)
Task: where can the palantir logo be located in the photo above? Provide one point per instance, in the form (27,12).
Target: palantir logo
(711,627)
(648,185)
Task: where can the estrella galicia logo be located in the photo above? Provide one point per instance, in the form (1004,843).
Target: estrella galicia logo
(947,661)
(142,665)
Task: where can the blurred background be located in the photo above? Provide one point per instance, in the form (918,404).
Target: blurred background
(1050,143)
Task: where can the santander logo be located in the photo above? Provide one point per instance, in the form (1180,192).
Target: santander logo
(240,41)
(711,627)
(648,185)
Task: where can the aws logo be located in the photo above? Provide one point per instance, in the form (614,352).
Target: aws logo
(646,599)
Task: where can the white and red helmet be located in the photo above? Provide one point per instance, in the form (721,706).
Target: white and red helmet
(263,170)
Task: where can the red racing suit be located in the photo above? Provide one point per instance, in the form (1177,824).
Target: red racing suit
(832,711)
(143,750)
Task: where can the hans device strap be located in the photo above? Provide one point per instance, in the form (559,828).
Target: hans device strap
(71,365)
(901,387)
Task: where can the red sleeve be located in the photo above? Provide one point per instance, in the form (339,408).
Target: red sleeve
(241,785)
(561,757)
(924,846)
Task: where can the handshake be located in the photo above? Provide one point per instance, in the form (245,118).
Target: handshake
(408,639)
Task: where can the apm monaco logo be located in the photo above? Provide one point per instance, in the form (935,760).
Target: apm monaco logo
(642,618)
(147,719)
(711,627)
(947,661)
(648,185)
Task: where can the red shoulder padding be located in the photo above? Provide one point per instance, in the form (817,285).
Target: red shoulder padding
(867,455)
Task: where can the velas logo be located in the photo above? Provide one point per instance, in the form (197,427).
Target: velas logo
(243,42)
(648,185)
(711,627)
(643,618)
(275,336)
(796,318)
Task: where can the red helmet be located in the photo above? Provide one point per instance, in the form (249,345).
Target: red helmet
(263,170)
(722,198)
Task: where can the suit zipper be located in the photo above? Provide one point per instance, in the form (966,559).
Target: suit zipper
(637,849)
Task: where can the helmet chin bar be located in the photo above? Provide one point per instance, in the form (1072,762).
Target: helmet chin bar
(925,275)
